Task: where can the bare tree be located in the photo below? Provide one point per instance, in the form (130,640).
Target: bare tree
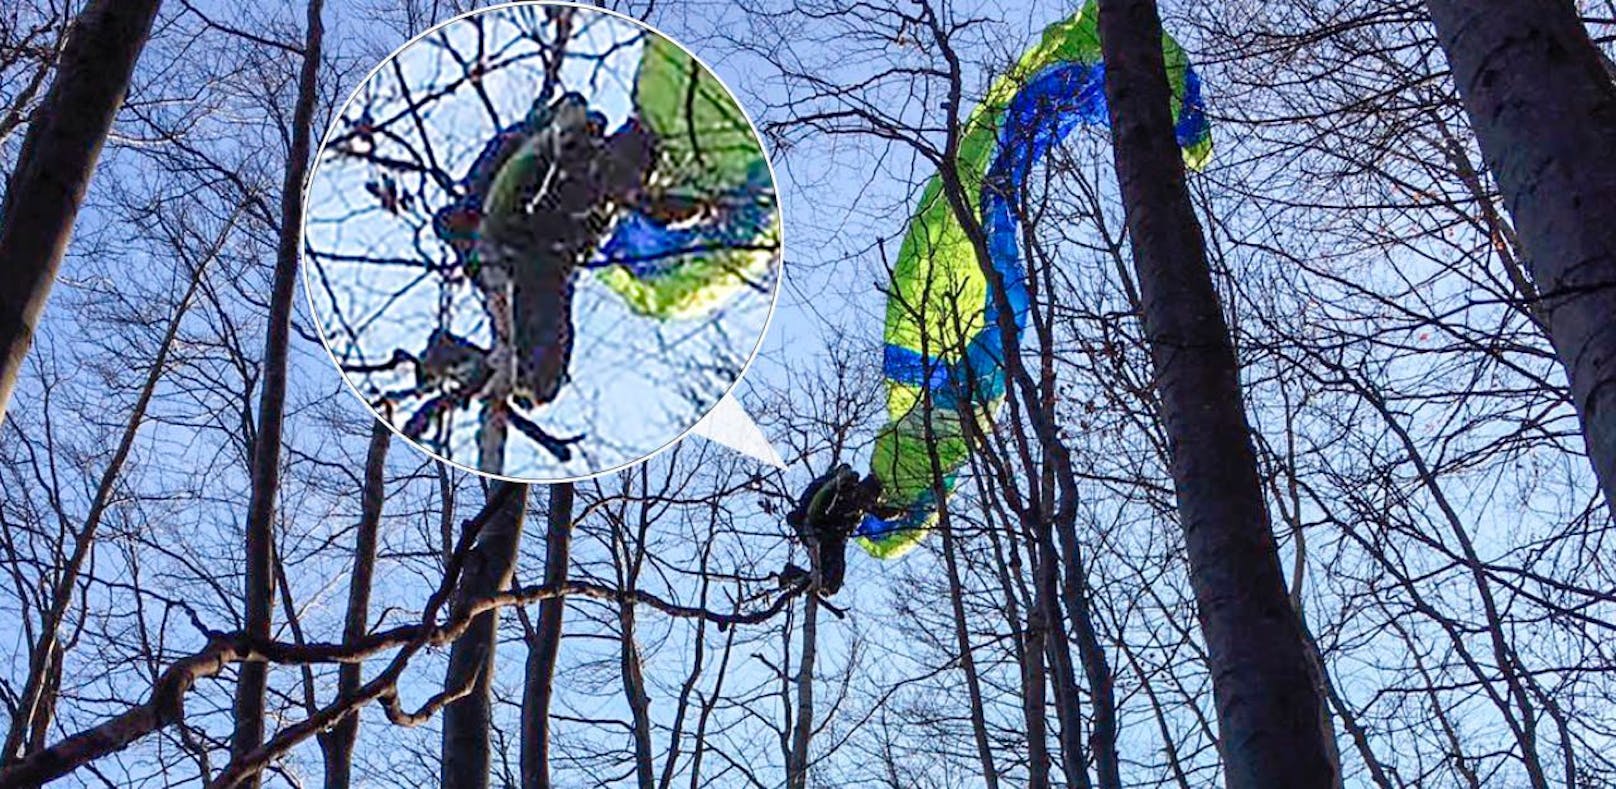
(58,155)
(33,710)
(1543,106)
(337,744)
(544,642)
(466,716)
(1268,703)
(259,595)
(1415,443)
(31,38)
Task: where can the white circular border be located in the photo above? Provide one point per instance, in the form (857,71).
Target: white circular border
(308,291)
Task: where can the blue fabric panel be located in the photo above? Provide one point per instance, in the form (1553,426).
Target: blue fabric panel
(649,248)
(1192,126)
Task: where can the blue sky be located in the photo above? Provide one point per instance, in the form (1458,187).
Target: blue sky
(845,201)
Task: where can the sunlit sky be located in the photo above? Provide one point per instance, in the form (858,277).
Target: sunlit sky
(845,201)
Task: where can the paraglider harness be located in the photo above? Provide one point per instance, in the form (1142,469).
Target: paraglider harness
(824,518)
(452,370)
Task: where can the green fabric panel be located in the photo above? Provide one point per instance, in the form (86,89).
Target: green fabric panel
(902,458)
(707,145)
(897,544)
(937,273)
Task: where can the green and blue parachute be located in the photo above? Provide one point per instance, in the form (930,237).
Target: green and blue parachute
(943,341)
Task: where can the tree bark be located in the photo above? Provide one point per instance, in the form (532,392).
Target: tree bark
(466,752)
(54,166)
(802,729)
(260,539)
(639,700)
(1034,686)
(1058,652)
(1543,108)
(628,559)
(545,644)
(1268,706)
(337,745)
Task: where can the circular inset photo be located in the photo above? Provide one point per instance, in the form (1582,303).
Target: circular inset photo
(542,241)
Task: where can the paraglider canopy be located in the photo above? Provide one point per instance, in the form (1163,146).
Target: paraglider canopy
(944,344)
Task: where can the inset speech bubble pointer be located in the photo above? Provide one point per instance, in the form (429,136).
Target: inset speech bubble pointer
(730,425)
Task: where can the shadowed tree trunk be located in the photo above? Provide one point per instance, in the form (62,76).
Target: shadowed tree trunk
(630,560)
(1267,702)
(1103,739)
(639,700)
(802,727)
(1056,671)
(53,168)
(1065,579)
(545,643)
(466,753)
(1543,107)
(259,594)
(337,745)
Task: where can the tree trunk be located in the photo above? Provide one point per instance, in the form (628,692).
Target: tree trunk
(802,729)
(54,166)
(1103,739)
(1543,108)
(545,644)
(628,558)
(1268,706)
(1058,651)
(337,745)
(260,539)
(639,701)
(1034,687)
(967,655)
(492,561)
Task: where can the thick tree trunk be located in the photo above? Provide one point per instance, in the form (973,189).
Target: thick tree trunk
(1543,107)
(337,745)
(54,166)
(260,538)
(545,643)
(466,753)
(1268,706)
